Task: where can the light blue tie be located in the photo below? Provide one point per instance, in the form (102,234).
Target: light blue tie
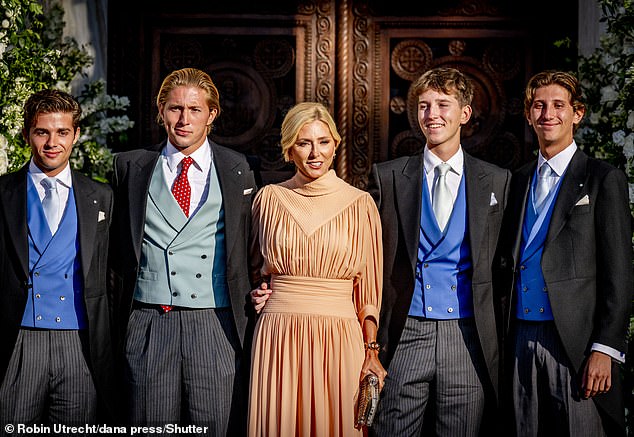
(543,186)
(442,203)
(50,203)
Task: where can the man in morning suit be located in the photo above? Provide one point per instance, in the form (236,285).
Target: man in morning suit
(179,266)
(441,212)
(569,259)
(56,362)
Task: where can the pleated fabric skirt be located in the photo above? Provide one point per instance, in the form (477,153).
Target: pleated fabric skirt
(306,360)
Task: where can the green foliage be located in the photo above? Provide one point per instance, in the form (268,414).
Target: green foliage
(607,77)
(34,55)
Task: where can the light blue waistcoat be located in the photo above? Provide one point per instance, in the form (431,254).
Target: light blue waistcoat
(56,297)
(442,288)
(183,260)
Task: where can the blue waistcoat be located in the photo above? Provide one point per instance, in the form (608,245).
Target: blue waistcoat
(532,301)
(55,298)
(442,288)
(183,260)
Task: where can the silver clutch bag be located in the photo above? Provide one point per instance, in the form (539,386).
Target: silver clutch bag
(368,400)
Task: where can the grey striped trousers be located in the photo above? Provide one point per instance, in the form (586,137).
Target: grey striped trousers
(48,381)
(545,391)
(437,362)
(184,367)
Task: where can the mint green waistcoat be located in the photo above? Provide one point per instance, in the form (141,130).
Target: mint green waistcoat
(183,261)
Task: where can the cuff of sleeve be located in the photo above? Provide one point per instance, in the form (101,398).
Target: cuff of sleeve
(368,311)
(615,354)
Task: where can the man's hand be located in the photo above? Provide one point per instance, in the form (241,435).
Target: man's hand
(259,296)
(597,375)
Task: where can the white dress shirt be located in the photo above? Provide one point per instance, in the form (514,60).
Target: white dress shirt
(430,161)
(197,175)
(64,183)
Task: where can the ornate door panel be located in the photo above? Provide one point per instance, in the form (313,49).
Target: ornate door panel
(358,57)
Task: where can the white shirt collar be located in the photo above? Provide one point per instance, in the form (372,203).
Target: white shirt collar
(64,177)
(430,161)
(201,156)
(559,162)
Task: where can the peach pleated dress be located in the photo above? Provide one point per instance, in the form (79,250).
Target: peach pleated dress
(320,243)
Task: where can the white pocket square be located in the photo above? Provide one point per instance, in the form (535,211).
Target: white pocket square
(585,200)
(247,191)
(493,201)
(101,217)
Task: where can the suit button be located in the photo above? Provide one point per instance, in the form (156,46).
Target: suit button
(170,253)
(62,298)
(37,273)
(58,319)
(194,296)
(428,286)
(203,256)
(522,267)
(541,310)
(429,308)
(173,273)
(175,293)
(37,296)
(38,318)
(526,310)
(450,310)
(525,288)
(426,265)
(453,288)
(545,289)
(198,275)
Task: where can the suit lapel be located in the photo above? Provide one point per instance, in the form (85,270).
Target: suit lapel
(478,188)
(230,177)
(408,186)
(569,192)
(521,183)
(87,217)
(139,184)
(14,195)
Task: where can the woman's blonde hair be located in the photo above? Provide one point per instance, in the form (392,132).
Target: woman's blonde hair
(297,117)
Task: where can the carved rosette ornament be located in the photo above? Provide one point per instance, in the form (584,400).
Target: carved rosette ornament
(411,58)
(274,57)
(181,54)
(247,101)
(502,60)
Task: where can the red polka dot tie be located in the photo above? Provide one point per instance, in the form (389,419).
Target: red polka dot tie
(181,189)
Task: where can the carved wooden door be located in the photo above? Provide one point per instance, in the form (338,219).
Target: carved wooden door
(358,57)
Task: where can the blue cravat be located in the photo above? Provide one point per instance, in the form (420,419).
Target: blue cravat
(50,203)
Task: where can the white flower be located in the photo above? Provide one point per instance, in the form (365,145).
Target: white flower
(4,161)
(618,138)
(630,120)
(628,146)
(608,94)
(6,23)
(594,118)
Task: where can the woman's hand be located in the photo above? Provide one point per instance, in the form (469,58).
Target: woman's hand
(259,296)
(371,364)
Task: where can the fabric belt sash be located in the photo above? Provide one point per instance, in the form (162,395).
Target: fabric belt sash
(320,296)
